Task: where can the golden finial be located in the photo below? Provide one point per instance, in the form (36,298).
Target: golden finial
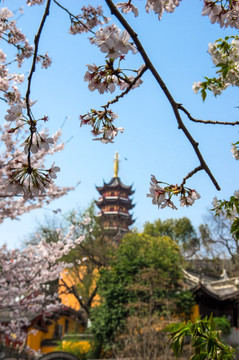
(116,164)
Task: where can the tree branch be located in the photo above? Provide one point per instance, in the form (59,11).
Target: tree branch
(131,84)
(191,173)
(33,68)
(181,107)
(73,16)
(164,88)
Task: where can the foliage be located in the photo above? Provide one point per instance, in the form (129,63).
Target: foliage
(144,278)
(49,230)
(223,324)
(230,209)
(224,55)
(180,230)
(205,339)
(220,234)
(82,349)
(87,258)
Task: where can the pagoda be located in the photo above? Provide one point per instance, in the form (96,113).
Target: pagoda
(114,204)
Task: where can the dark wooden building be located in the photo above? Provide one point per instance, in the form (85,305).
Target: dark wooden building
(217,295)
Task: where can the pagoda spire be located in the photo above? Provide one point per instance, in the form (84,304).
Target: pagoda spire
(116,164)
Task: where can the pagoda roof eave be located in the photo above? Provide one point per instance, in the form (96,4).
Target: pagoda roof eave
(114,183)
(102,203)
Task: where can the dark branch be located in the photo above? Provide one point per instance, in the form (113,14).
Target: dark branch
(73,16)
(132,83)
(161,83)
(33,68)
(181,107)
(190,174)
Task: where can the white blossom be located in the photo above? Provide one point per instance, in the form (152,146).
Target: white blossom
(126,7)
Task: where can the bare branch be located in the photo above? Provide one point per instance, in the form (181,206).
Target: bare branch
(190,174)
(33,68)
(73,16)
(181,107)
(161,83)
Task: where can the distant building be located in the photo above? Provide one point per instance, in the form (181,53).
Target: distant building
(218,295)
(115,205)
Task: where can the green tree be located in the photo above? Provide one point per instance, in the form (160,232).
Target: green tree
(180,230)
(144,279)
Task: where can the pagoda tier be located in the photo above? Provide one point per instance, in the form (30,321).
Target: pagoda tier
(115,186)
(114,204)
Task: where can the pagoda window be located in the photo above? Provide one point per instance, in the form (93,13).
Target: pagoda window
(112,193)
(111,208)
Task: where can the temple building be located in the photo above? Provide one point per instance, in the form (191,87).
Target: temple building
(215,294)
(115,205)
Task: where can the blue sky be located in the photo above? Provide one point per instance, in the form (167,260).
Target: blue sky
(151,143)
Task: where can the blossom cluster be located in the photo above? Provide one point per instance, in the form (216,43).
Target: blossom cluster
(105,78)
(35,2)
(22,178)
(226,12)
(102,123)
(113,43)
(228,208)
(158,6)
(31,183)
(17,168)
(14,167)
(23,278)
(235,150)
(90,18)
(162,195)
(225,56)
(13,36)
(45,60)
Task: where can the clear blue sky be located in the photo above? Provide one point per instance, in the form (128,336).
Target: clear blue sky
(151,143)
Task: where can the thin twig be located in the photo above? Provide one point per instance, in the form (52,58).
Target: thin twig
(73,16)
(190,174)
(132,83)
(181,107)
(33,68)
(161,83)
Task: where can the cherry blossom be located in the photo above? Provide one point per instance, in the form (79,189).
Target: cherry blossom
(53,170)
(159,6)
(24,276)
(235,150)
(162,196)
(126,7)
(225,56)
(226,13)
(102,123)
(88,20)
(111,42)
(106,78)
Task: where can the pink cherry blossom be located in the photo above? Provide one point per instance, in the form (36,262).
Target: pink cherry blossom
(126,7)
